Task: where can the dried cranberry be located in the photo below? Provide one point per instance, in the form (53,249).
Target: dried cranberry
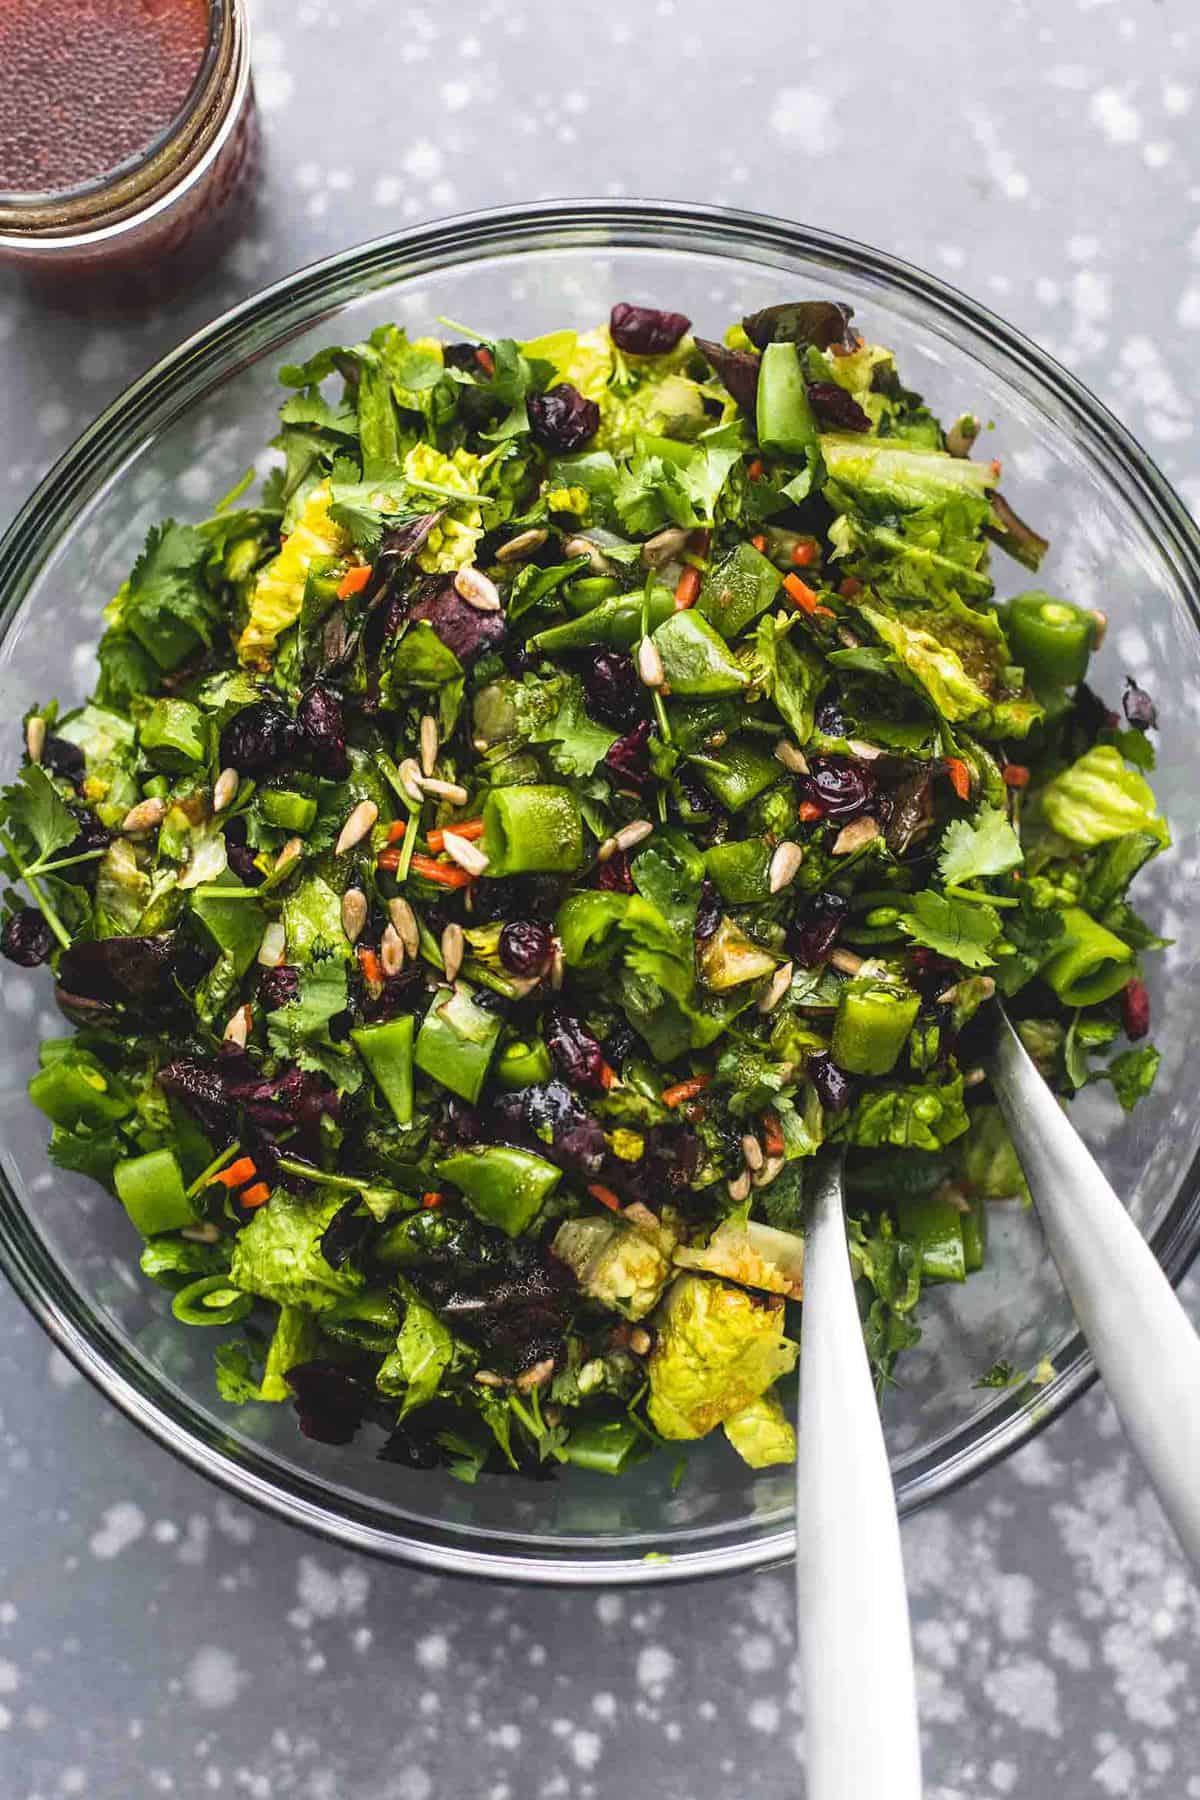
(736,369)
(1135,1009)
(63,758)
(669,1160)
(260,738)
(620,1043)
(815,927)
(525,947)
(628,762)
(615,874)
(1140,709)
(460,356)
(841,788)
(279,986)
(614,693)
(644,330)
(515,1305)
(331,1402)
(708,913)
(833,1085)
(462,628)
(414,1444)
(319,717)
(830,720)
(241,861)
(26,938)
(200,1087)
(93,835)
(835,407)
(576,1053)
(561,420)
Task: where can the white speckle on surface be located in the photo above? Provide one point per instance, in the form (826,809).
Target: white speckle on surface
(455,95)
(804,118)
(212,1677)
(121,1526)
(1026,1691)
(1111,111)
(433,1651)
(331,1594)
(10,1676)
(1176,99)
(585,1749)
(655,1666)
(422,161)
(763,1713)
(62,1373)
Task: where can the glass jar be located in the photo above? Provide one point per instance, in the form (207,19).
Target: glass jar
(153,203)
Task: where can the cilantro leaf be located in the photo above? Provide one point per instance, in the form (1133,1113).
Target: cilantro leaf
(1132,1074)
(166,603)
(971,851)
(917,1118)
(669,873)
(954,928)
(300,1030)
(32,806)
(576,742)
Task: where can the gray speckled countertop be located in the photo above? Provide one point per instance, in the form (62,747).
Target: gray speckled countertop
(157,1638)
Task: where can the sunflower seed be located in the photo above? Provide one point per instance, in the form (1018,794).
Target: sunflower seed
(145,816)
(476,589)
(771,1169)
(404,919)
(607,850)
(791,758)
(429,744)
(1100,621)
(855,836)
(987,988)
(443,790)
(558,968)
(848,961)
(524,544)
(536,1377)
(467,855)
(752,1151)
(292,851)
(739,1189)
(865,752)
(781,981)
(640,1341)
(974,1077)
(360,822)
(486,1378)
(354,913)
(848,639)
(202,1234)
(238,1028)
(582,546)
(35,737)
(391,951)
(650,664)
(633,834)
(454,947)
(410,780)
(663,546)
(273,948)
(784,865)
(225,790)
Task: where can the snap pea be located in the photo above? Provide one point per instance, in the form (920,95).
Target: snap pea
(151,1190)
(872,1025)
(504,1186)
(213,1300)
(1093,963)
(935,1229)
(456,1042)
(532,830)
(786,424)
(1052,639)
(387,1051)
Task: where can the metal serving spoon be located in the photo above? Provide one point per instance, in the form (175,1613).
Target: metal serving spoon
(1142,1340)
(860,1730)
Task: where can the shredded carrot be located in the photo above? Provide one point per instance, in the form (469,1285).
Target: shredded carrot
(485,359)
(446,874)
(238,1172)
(850,588)
(353,582)
(804,554)
(257,1195)
(809,811)
(755,469)
(389,860)
(469,829)
(759,542)
(687,589)
(429,1201)
(370,965)
(604,1195)
(960,776)
(396,831)
(684,1090)
(608,1075)
(802,594)
(772,1134)
(1016,775)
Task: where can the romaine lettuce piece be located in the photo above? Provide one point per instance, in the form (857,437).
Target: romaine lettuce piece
(614,1263)
(278,1254)
(279,590)
(1098,799)
(762,1434)
(753,1255)
(718,1349)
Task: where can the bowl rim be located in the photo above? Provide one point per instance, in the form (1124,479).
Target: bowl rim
(172,385)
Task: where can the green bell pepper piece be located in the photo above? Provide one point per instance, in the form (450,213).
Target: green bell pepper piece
(387,1051)
(1051,639)
(616,622)
(785,420)
(606,1446)
(696,659)
(287,809)
(1092,965)
(504,1186)
(736,589)
(934,1228)
(872,1026)
(584,595)
(456,1042)
(76,1089)
(213,1300)
(175,735)
(522,1064)
(151,1190)
(738,773)
(741,871)
(532,830)
(974,1231)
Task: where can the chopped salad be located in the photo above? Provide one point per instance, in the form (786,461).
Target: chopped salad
(594,775)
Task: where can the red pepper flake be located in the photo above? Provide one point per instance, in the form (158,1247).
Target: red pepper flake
(1016,775)
(604,1195)
(851,588)
(353,582)
(684,1090)
(772,1134)
(810,812)
(804,554)
(754,469)
(960,776)
(801,593)
(759,542)
(687,590)
(371,966)
(486,360)
(430,1201)
(608,1075)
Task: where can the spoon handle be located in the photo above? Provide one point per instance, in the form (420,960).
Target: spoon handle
(860,1732)
(1139,1334)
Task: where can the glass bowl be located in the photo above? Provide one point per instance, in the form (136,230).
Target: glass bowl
(180,437)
